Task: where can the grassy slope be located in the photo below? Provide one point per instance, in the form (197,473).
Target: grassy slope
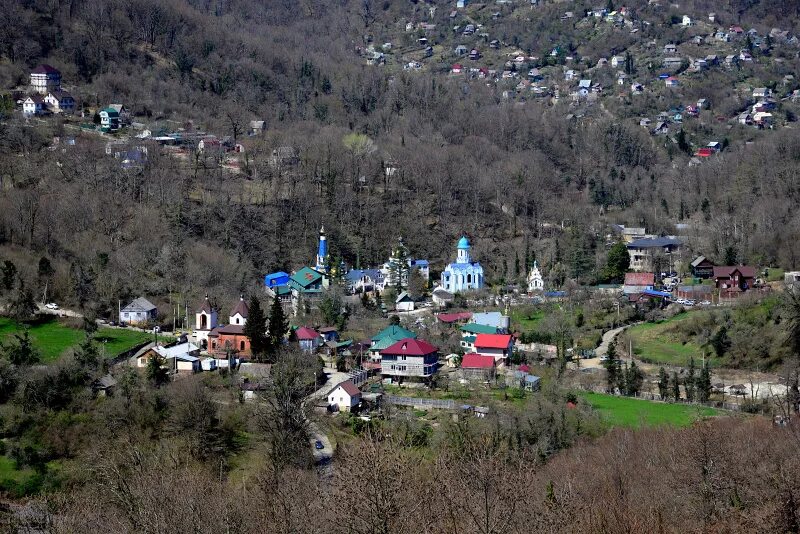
(634,413)
(652,343)
(53,338)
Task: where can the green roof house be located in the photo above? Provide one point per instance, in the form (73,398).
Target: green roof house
(109,119)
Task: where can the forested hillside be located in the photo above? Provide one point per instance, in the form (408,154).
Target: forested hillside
(533,175)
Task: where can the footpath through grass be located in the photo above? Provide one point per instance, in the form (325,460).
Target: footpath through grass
(656,343)
(53,338)
(634,413)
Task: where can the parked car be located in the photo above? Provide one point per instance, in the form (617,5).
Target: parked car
(705,303)
(689,303)
(51,306)
(318,445)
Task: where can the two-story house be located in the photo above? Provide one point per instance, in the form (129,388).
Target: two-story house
(409,358)
(650,252)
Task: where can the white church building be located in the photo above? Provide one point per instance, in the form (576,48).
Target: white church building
(535,280)
(464,274)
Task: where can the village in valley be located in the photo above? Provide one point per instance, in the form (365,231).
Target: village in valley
(428,266)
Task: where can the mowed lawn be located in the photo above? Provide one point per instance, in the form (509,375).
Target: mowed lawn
(635,413)
(53,338)
(526,318)
(653,343)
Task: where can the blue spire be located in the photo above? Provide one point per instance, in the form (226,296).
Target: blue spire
(322,252)
(463,242)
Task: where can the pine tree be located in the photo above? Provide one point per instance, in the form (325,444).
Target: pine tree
(256,329)
(676,387)
(704,384)
(9,274)
(663,383)
(157,371)
(689,381)
(278,325)
(633,379)
(23,306)
(23,352)
(611,368)
(87,355)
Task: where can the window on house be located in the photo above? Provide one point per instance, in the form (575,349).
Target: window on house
(241,345)
(237,320)
(469,278)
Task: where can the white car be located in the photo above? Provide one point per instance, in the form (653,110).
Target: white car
(689,303)
(705,303)
(51,306)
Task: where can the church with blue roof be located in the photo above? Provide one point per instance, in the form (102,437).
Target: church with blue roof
(463,274)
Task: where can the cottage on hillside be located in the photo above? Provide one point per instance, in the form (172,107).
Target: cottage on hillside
(345,396)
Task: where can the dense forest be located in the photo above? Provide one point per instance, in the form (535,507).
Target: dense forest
(519,177)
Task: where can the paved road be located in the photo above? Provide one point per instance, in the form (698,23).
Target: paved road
(602,350)
(322,456)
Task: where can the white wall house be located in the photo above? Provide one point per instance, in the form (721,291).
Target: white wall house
(33,105)
(206,318)
(60,102)
(44,79)
(344,396)
(140,311)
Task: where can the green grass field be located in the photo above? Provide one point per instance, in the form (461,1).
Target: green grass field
(18,482)
(526,318)
(53,338)
(652,343)
(635,413)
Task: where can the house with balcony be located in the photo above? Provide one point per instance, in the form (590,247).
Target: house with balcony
(649,252)
(409,359)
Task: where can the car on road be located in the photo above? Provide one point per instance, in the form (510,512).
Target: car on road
(705,303)
(318,445)
(689,303)
(603,358)
(51,306)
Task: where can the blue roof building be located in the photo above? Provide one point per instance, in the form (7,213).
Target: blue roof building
(277,279)
(464,274)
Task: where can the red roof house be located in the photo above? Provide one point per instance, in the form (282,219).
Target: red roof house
(409,358)
(308,338)
(704,152)
(499,346)
(450,318)
(638,282)
(477,361)
(410,347)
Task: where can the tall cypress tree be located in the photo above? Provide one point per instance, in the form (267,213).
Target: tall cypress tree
(676,387)
(256,329)
(277,328)
(689,382)
(663,383)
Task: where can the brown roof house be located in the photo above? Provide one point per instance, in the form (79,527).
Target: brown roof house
(732,281)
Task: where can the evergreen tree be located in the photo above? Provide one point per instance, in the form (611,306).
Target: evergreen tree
(633,379)
(378,299)
(704,384)
(663,383)
(256,329)
(87,355)
(676,386)
(23,352)
(157,371)
(23,305)
(629,66)
(9,274)
(399,268)
(611,368)
(516,265)
(689,382)
(278,325)
(683,144)
(617,263)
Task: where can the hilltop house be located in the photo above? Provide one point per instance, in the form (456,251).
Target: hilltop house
(463,274)
(60,102)
(138,312)
(404,302)
(284,156)
(345,396)
(33,105)
(493,319)
(276,285)
(109,119)
(409,358)
(670,48)
(45,79)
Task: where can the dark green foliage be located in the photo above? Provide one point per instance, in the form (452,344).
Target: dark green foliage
(278,325)
(256,330)
(9,274)
(156,371)
(617,263)
(22,352)
(663,383)
(704,384)
(689,382)
(23,305)
(675,384)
